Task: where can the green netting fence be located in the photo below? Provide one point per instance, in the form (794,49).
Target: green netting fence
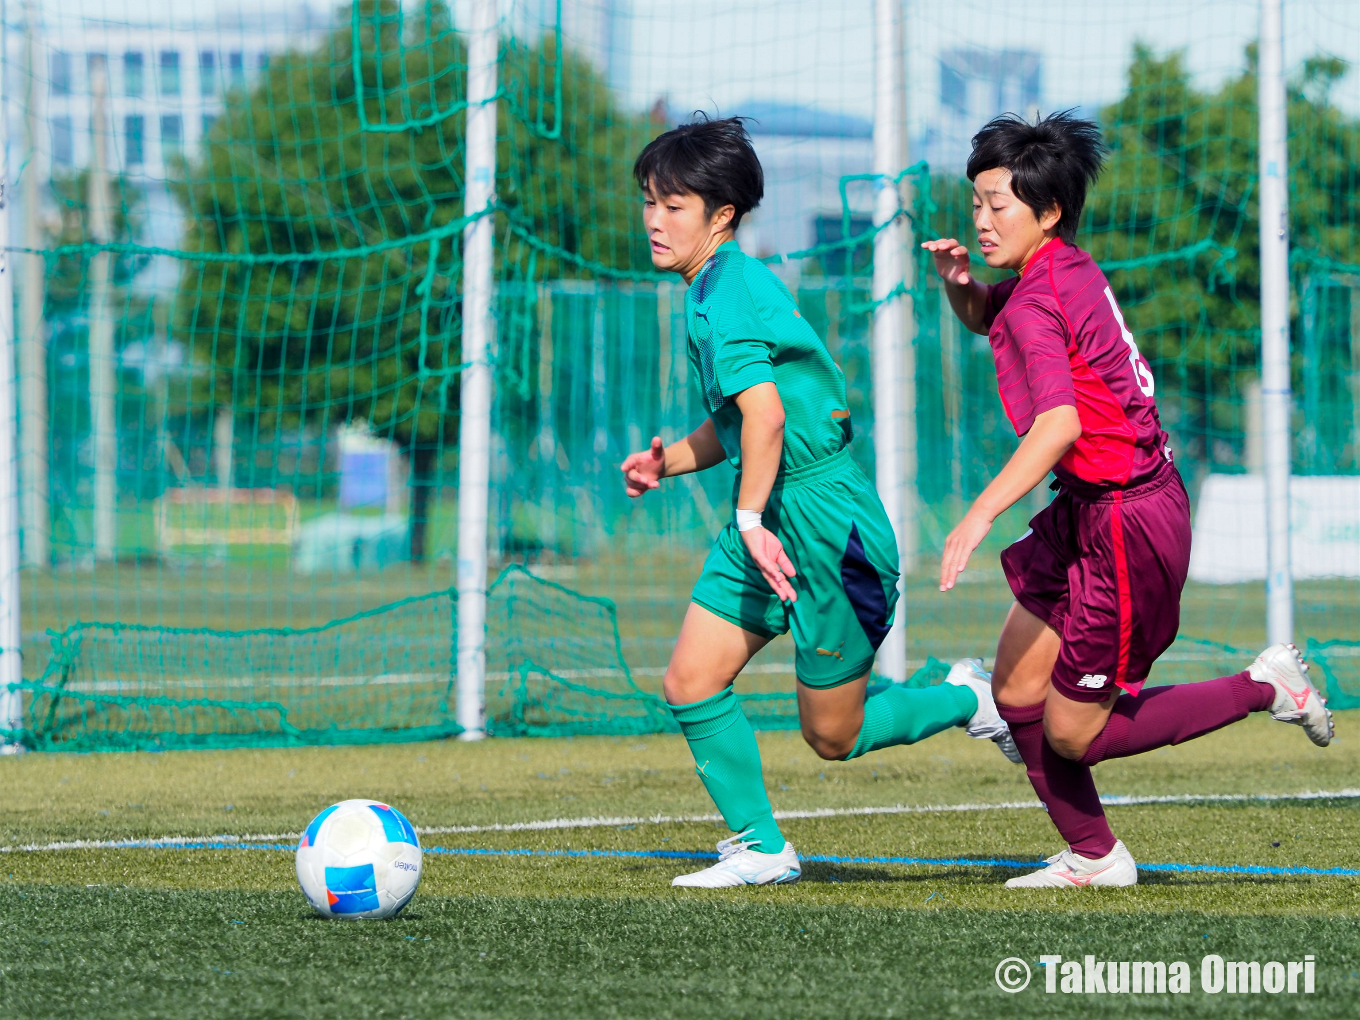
(556,668)
(239,302)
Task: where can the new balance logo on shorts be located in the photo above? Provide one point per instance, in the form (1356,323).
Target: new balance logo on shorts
(1095,680)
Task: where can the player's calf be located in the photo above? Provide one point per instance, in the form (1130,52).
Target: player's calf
(839,723)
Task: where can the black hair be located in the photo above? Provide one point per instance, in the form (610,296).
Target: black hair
(1051,162)
(713,159)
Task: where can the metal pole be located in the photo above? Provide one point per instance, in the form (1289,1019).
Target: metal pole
(37,516)
(890,313)
(952,376)
(11,665)
(1354,285)
(547,419)
(102,382)
(1275,394)
(224,439)
(908,534)
(474,438)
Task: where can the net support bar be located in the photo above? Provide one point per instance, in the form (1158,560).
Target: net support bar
(103,378)
(474,439)
(34,454)
(1275,387)
(11,667)
(890,313)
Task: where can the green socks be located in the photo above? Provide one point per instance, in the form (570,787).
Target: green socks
(904,715)
(728,761)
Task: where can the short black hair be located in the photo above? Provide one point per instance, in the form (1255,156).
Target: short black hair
(1052,161)
(713,159)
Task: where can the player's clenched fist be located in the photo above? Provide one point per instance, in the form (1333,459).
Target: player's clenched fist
(951,260)
(642,472)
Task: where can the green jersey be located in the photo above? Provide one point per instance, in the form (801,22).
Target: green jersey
(745,329)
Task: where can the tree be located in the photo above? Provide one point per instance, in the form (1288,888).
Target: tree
(1182,173)
(1176,206)
(66,297)
(65,290)
(325,311)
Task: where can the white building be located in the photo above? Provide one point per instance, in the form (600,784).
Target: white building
(165,84)
(805,152)
(975,86)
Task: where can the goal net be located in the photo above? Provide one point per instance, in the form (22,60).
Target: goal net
(239,285)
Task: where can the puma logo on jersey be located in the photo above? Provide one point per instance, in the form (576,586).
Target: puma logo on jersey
(832,655)
(1093,680)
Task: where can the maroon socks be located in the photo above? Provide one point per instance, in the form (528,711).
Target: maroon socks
(1170,715)
(1155,718)
(1065,787)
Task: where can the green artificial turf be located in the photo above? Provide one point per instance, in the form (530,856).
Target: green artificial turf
(99,796)
(110,932)
(119,953)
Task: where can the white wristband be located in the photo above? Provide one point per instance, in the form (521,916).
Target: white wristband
(748,519)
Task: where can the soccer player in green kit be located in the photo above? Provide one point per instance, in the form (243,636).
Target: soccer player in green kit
(809,548)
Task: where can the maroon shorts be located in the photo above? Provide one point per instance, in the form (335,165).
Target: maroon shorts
(1105,569)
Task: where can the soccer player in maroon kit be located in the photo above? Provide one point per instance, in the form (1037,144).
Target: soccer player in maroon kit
(1098,577)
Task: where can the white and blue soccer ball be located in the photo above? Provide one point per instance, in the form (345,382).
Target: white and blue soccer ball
(359,859)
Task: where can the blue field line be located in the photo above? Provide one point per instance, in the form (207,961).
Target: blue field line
(1277,871)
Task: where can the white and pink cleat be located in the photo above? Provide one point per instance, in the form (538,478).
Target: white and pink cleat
(1296,701)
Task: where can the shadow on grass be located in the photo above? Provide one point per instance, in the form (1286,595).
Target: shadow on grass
(818,871)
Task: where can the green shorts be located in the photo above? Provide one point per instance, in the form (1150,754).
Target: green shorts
(842,546)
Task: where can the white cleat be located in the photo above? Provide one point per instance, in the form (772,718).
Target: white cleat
(1069,870)
(986,723)
(739,864)
(1296,701)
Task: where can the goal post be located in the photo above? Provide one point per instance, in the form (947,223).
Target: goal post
(474,444)
(1276,397)
(11,636)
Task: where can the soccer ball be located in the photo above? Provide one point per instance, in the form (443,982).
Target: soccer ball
(359,859)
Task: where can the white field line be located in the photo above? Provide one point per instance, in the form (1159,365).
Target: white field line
(606,821)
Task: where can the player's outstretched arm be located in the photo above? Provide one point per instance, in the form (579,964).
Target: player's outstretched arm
(762,449)
(1044,444)
(967,294)
(698,451)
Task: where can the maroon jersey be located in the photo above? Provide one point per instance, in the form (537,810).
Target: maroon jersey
(1058,338)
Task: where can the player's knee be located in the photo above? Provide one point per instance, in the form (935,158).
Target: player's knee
(827,745)
(1071,746)
(680,689)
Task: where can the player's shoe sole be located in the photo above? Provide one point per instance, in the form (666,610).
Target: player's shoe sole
(986,723)
(1068,870)
(1296,701)
(740,865)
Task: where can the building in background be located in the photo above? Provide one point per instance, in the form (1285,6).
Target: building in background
(975,86)
(598,30)
(805,152)
(166,86)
